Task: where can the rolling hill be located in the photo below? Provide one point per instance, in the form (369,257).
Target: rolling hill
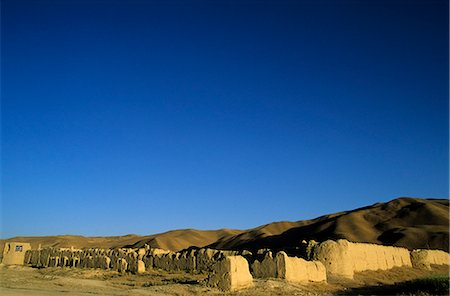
(407,222)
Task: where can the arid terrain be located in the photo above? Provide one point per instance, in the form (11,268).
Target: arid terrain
(17,280)
(405,222)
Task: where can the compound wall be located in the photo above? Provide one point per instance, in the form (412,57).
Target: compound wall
(231,273)
(291,269)
(343,258)
(423,259)
(123,260)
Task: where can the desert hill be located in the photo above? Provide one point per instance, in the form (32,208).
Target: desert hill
(172,240)
(182,239)
(408,222)
(77,241)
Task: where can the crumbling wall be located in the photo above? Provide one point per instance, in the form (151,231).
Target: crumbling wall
(330,258)
(137,260)
(298,270)
(292,269)
(342,258)
(376,257)
(423,259)
(14,253)
(267,268)
(204,259)
(231,273)
(164,261)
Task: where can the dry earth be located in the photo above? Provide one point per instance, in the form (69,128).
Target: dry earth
(408,222)
(18,280)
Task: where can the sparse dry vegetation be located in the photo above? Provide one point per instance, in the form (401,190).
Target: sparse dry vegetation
(76,282)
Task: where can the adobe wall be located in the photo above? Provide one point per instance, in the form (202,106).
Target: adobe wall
(330,258)
(228,271)
(343,258)
(266,268)
(126,260)
(231,273)
(298,270)
(14,253)
(291,269)
(423,259)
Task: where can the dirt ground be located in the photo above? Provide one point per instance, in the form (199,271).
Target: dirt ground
(19,280)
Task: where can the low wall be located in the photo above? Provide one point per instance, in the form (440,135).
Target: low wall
(423,259)
(298,270)
(126,260)
(266,268)
(231,273)
(343,258)
(291,269)
(327,259)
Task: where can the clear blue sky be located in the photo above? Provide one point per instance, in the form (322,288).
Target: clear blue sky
(145,116)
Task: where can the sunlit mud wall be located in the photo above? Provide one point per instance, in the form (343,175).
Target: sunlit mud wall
(343,258)
(291,269)
(327,259)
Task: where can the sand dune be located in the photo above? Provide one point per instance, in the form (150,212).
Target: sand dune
(408,222)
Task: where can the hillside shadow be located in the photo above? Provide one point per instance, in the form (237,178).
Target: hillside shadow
(403,222)
(426,286)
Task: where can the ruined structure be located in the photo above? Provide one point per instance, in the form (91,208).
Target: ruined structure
(423,259)
(125,259)
(343,258)
(14,253)
(229,270)
(231,273)
(292,269)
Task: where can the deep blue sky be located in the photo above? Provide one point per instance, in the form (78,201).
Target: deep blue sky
(144,116)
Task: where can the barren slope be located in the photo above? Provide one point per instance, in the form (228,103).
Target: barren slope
(175,240)
(407,222)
